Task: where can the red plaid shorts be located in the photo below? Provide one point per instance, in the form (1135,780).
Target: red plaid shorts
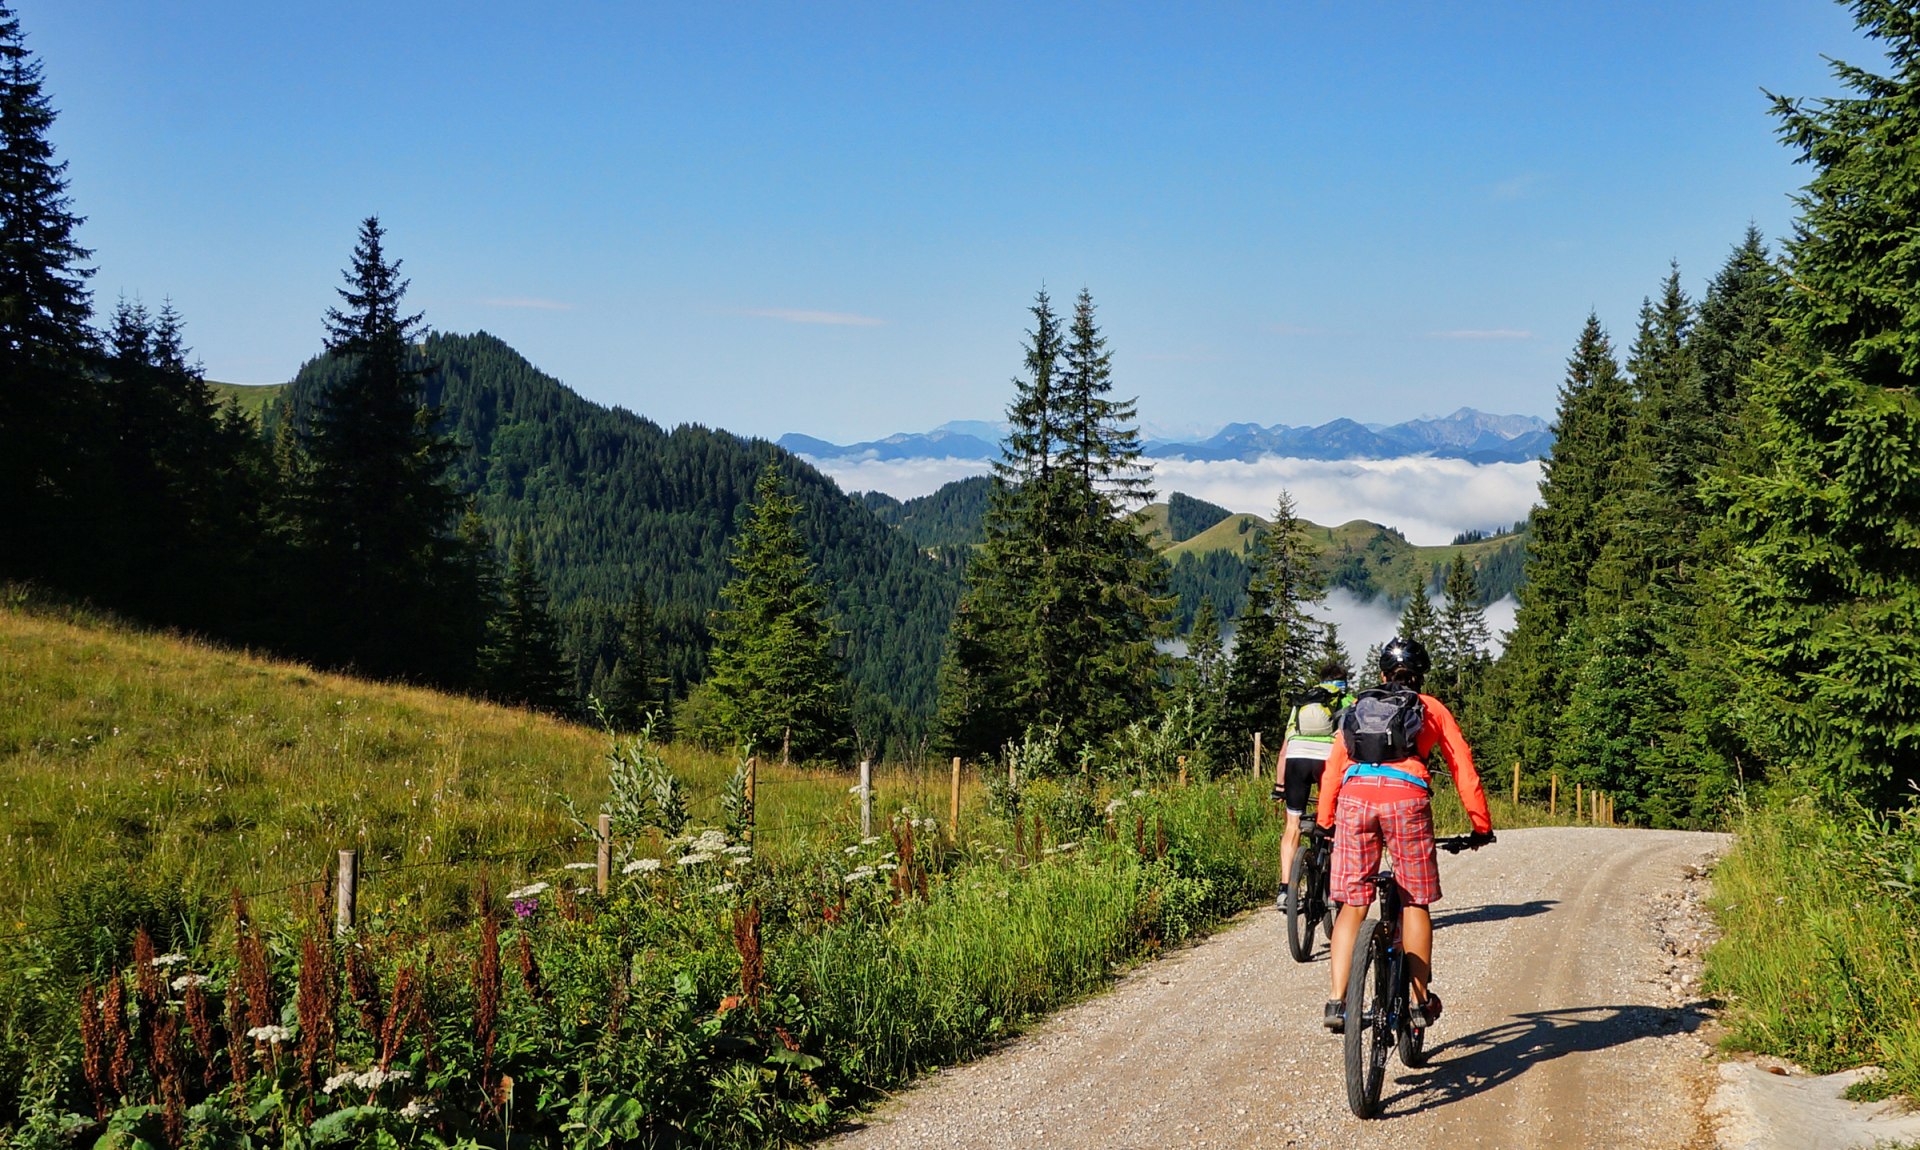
(1399,814)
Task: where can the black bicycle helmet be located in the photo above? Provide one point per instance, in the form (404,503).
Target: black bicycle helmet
(1404,654)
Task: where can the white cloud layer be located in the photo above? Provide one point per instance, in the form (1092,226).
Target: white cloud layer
(1366,625)
(1428,500)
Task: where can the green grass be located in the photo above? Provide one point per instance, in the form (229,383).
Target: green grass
(1819,960)
(131,752)
(250,398)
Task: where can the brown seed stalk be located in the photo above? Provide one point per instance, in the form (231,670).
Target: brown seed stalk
(363,984)
(529,970)
(746,940)
(119,1039)
(319,991)
(94,1053)
(200,1025)
(169,1069)
(486,993)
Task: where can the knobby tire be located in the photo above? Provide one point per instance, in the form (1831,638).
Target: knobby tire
(1367,1040)
(1301,919)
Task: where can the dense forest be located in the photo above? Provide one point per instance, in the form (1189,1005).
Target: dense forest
(610,503)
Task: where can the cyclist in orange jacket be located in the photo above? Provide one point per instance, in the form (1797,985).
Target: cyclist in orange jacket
(1390,803)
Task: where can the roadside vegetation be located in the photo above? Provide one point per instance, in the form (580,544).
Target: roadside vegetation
(1820,960)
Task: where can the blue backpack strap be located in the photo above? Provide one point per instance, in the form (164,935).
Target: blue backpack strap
(1382,771)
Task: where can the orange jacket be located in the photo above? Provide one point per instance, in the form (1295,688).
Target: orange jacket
(1440,730)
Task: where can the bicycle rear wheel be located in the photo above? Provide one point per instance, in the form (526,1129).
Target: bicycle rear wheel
(1368,1040)
(1301,918)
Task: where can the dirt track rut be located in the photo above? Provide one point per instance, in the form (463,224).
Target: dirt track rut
(1564,1027)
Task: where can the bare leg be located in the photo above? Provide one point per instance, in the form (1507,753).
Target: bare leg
(1289,846)
(1416,936)
(1346,929)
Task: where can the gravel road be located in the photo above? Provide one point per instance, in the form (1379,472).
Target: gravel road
(1566,957)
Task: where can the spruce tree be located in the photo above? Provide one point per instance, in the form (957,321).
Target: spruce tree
(388,580)
(1203,685)
(636,693)
(1823,586)
(1460,638)
(1276,640)
(1529,686)
(48,452)
(522,664)
(1063,604)
(1417,620)
(776,678)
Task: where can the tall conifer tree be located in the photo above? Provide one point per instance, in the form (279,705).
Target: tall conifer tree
(522,664)
(48,452)
(1529,687)
(1824,590)
(390,582)
(1276,641)
(776,676)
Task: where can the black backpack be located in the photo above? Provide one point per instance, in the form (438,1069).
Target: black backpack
(1383,724)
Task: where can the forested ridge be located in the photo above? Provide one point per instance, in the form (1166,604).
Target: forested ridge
(609,501)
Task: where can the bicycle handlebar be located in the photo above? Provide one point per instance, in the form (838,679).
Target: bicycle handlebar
(1457,843)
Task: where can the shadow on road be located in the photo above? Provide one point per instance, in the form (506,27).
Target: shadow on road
(1495,913)
(1474,1063)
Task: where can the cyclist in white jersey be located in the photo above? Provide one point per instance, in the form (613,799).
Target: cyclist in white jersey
(1311,730)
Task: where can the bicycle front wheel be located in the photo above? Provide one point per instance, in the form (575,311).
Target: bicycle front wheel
(1301,918)
(1368,1038)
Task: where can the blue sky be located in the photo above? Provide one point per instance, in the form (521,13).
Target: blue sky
(830,218)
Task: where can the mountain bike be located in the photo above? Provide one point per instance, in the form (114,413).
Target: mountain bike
(1306,898)
(1379,993)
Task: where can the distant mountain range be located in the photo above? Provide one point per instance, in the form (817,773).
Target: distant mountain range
(1467,434)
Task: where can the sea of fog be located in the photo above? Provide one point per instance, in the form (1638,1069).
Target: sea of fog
(1365,624)
(1428,500)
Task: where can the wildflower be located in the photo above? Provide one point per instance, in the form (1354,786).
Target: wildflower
(860,874)
(273,1034)
(418,1110)
(336,1081)
(639,865)
(739,849)
(167,960)
(531,890)
(696,858)
(581,866)
(187,980)
(723,887)
(1139,794)
(851,851)
(1065,847)
(888,866)
(869,840)
(1114,805)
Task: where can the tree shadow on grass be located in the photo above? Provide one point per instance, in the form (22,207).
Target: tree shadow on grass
(1497,912)
(1475,1063)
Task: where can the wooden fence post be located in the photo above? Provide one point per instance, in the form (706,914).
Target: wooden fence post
(953,806)
(866,799)
(1516,782)
(1553,797)
(1256,754)
(603,853)
(346,890)
(1578,808)
(753,782)
(1183,770)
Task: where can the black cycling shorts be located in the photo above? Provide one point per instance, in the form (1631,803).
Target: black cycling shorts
(1301,775)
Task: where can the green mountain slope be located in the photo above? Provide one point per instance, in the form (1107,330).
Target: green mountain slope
(251,398)
(609,500)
